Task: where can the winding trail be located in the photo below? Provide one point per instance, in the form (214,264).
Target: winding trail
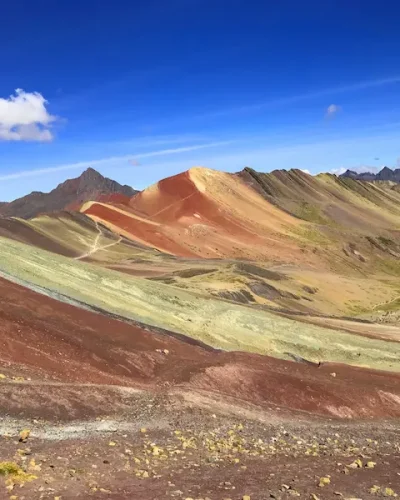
(374,308)
(95,245)
(171,205)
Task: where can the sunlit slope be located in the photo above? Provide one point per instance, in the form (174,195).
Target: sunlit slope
(329,200)
(324,222)
(203,213)
(75,235)
(217,323)
(354,227)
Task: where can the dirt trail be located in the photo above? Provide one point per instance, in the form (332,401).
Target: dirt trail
(177,202)
(386,304)
(95,245)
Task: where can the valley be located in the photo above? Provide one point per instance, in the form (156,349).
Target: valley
(207,304)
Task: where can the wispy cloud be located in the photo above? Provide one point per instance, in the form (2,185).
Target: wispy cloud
(359,169)
(303,97)
(154,141)
(338,171)
(109,160)
(332,110)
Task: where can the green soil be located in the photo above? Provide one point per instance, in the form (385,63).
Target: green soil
(217,323)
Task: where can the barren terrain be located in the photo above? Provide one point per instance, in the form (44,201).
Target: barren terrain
(215,336)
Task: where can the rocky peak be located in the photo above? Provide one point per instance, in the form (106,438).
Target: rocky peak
(69,195)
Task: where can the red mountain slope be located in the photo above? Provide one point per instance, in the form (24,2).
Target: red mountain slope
(203,213)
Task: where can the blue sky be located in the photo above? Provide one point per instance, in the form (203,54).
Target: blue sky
(172,84)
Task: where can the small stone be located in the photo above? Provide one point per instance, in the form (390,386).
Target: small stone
(324,481)
(23,435)
(374,489)
(388,492)
(357,464)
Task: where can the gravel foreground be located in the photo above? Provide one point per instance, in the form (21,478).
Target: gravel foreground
(192,453)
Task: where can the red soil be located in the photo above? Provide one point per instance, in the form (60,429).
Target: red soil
(114,198)
(187,221)
(139,230)
(52,340)
(179,198)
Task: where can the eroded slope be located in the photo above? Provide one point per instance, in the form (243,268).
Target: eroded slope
(217,323)
(203,213)
(51,342)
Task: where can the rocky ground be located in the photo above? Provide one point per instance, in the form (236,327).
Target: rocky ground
(164,449)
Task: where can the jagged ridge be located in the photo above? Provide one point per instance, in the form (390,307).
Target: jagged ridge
(386,174)
(69,195)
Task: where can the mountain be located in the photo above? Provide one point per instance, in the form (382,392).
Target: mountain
(386,174)
(69,195)
(212,214)
(205,298)
(200,213)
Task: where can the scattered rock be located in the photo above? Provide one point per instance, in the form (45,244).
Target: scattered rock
(24,435)
(324,481)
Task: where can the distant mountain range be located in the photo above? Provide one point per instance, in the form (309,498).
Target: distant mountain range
(386,174)
(70,195)
(92,186)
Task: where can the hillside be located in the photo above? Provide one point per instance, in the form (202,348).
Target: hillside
(203,213)
(67,196)
(213,324)
(329,200)
(324,222)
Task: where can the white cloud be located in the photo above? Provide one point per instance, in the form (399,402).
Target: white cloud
(24,117)
(332,110)
(338,171)
(359,169)
(306,171)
